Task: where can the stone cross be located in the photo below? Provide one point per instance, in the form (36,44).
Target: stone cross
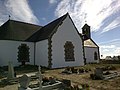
(10,71)
(40,78)
(24,82)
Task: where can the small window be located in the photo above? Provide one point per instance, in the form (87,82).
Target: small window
(69,51)
(95,56)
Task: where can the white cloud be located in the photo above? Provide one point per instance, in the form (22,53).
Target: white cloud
(97,11)
(111,41)
(111,51)
(108,46)
(112,25)
(19,10)
(105,50)
(52,1)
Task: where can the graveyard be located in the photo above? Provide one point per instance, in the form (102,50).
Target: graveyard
(90,77)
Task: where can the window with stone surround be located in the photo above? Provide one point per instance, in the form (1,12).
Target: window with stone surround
(23,54)
(69,51)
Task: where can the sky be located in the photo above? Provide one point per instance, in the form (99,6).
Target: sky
(102,15)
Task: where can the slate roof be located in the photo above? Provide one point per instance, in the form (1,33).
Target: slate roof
(46,31)
(20,31)
(90,43)
(16,30)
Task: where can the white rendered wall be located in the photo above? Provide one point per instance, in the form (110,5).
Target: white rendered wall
(89,54)
(42,53)
(9,52)
(66,32)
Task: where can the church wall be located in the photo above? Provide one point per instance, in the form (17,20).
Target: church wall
(9,52)
(89,54)
(42,53)
(66,32)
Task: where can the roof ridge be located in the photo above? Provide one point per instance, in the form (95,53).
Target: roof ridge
(24,22)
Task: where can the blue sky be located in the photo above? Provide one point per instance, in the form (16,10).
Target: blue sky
(102,15)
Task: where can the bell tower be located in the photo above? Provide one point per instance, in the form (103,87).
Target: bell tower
(86,32)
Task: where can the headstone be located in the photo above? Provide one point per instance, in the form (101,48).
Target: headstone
(81,70)
(99,73)
(10,71)
(66,71)
(24,82)
(67,83)
(40,78)
(52,80)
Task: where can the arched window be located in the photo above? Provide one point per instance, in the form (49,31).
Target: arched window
(95,56)
(69,51)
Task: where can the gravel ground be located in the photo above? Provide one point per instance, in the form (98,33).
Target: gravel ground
(112,84)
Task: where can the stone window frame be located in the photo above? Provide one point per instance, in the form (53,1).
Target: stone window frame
(69,51)
(28,50)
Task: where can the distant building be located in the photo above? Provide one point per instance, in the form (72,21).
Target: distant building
(116,57)
(108,58)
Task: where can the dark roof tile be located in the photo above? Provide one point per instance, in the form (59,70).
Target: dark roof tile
(16,30)
(47,30)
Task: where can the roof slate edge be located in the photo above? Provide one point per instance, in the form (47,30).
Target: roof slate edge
(52,31)
(60,23)
(25,23)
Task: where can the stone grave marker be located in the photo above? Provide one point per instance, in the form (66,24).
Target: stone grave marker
(52,80)
(40,78)
(99,73)
(24,82)
(10,71)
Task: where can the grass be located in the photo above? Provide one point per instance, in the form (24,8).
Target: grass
(25,69)
(112,84)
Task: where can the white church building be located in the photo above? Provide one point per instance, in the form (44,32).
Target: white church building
(57,44)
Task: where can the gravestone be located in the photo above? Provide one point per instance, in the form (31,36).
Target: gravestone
(66,71)
(10,71)
(24,82)
(67,83)
(99,73)
(52,80)
(40,78)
